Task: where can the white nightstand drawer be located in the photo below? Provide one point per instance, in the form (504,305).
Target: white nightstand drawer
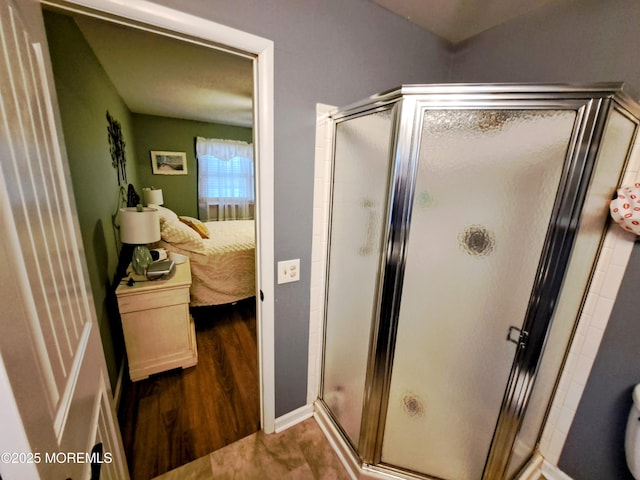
(152,299)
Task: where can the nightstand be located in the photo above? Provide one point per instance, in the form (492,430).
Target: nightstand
(159,333)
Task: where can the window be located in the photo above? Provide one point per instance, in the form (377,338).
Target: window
(225,179)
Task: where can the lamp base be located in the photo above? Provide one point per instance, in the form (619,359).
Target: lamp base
(141,259)
(124,259)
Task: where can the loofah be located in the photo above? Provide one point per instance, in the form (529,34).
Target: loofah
(625,208)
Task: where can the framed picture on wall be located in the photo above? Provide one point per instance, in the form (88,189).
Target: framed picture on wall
(168,163)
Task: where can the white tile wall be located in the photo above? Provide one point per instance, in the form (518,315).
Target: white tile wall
(599,304)
(321,192)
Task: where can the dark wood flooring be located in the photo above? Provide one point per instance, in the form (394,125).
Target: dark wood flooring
(178,416)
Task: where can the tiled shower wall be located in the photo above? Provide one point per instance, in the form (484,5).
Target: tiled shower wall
(599,304)
(321,192)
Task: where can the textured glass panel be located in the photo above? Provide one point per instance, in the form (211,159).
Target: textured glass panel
(361,175)
(485,190)
(616,144)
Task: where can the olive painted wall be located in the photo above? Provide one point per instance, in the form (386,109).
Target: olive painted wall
(85,94)
(180,192)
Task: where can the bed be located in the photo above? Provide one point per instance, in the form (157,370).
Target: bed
(222,256)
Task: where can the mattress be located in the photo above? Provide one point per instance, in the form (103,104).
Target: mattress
(222,266)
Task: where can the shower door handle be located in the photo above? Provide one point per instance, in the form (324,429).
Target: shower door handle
(521,340)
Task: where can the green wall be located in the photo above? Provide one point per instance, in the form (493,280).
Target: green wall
(180,192)
(85,94)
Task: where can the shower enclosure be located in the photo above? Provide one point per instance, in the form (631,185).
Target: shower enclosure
(464,228)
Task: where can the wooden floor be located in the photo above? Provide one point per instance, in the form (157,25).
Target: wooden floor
(175,417)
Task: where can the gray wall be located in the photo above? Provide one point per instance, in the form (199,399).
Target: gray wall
(326,51)
(595,446)
(564,41)
(579,41)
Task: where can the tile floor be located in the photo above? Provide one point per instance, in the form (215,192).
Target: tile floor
(300,452)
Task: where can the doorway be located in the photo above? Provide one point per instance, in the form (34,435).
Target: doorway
(174,24)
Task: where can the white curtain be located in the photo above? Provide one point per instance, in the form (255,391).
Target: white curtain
(225,179)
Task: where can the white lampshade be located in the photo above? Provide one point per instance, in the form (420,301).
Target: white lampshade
(152,196)
(139,227)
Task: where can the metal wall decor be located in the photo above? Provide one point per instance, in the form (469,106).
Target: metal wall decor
(116,148)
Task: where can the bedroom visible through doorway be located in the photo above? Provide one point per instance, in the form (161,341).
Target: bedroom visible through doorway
(245,310)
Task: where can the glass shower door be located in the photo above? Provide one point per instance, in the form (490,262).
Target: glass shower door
(484,196)
(361,172)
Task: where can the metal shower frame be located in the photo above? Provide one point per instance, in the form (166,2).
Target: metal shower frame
(592,104)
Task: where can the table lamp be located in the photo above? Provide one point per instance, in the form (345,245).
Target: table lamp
(152,196)
(139,226)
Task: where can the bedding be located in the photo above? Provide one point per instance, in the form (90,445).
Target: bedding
(222,266)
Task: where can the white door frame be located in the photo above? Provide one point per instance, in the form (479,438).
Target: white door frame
(263,49)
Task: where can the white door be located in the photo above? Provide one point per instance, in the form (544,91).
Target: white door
(55,400)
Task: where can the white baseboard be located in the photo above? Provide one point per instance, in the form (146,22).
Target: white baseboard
(533,468)
(292,418)
(552,472)
(337,444)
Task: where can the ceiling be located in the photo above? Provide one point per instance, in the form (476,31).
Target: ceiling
(458,20)
(159,75)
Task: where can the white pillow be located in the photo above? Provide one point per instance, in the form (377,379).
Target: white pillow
(181,235)
(165,214)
